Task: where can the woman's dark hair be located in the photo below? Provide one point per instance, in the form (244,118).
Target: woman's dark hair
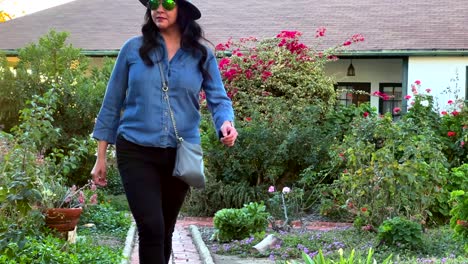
(191,31)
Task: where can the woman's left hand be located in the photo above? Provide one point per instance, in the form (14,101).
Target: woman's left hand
(229,133)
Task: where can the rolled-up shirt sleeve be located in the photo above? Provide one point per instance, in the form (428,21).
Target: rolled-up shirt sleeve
(219,103)
(107,121)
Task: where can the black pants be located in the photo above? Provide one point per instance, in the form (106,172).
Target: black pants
(154,196)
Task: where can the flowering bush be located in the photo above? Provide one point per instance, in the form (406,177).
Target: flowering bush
(391,168)
(284,204)
(279,90)
(282,67)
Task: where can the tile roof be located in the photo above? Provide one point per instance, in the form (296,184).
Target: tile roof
(386,24)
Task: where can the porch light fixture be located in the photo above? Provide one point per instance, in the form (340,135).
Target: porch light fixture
(351,71)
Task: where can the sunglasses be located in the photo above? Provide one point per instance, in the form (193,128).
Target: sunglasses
(167,4)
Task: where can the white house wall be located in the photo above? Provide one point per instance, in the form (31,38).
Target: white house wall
(374,71)
(440,74)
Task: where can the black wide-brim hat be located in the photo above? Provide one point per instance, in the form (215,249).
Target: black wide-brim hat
(191,8)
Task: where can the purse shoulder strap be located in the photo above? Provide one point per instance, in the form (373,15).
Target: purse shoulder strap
(165,89)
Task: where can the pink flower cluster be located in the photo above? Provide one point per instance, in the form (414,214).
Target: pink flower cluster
(76,197)
(320,32)
(382,95)
(290,40)
(354,39)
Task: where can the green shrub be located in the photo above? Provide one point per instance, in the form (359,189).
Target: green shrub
(106,219)
(459,213)
(49,249)
(218,195)
(51,63)
(118,202)
(114,182)
(401,232)
(235,224)
(390,169)
(320,258)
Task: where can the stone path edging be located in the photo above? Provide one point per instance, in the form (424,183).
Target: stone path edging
(205,254)
(129,243)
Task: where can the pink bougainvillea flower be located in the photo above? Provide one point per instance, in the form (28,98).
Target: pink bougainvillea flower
(462,144)
(450,102)
(444,113)
(266,75)
(357,38)
(248,74)
(428,90)
(220,47)
(230,74)
(347,43)
(271,189)
(451,134)
(382,95)
(417,82)
(232,93)
(366,114)
(286,190)
(289,34)
(408,97)
(396,110)
(455,113)
(202,96)
(224,62)
(320,32)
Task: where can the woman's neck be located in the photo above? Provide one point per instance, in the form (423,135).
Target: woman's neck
(171,37)
(172,40)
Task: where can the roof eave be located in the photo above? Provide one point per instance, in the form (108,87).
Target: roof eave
(404,53)
(91,53)
(348,53)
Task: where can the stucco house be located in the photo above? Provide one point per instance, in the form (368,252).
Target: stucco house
(424,40)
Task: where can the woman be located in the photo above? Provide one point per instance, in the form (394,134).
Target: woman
(135,116)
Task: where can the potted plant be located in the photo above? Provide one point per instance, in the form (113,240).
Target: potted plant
(62,206)
(33,171)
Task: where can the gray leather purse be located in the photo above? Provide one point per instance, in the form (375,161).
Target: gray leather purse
(189,158)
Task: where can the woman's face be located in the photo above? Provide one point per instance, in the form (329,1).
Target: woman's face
(163,18)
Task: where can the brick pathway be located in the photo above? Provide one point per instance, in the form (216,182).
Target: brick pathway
(182,245)
(185,251)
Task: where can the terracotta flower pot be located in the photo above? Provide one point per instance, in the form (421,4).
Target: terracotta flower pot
(62,219)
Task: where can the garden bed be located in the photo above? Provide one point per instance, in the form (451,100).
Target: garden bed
(438,246)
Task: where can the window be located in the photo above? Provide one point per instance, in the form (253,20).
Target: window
(395,92)
(466,86)
(348,98)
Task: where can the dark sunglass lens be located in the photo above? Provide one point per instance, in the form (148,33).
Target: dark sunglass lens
(153,4)
(169,4)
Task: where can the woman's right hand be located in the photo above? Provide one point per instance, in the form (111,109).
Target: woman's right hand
(99,172)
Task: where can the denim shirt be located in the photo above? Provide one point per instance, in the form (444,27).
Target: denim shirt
(134,104)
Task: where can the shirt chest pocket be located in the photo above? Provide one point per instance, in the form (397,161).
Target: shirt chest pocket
(186,76)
